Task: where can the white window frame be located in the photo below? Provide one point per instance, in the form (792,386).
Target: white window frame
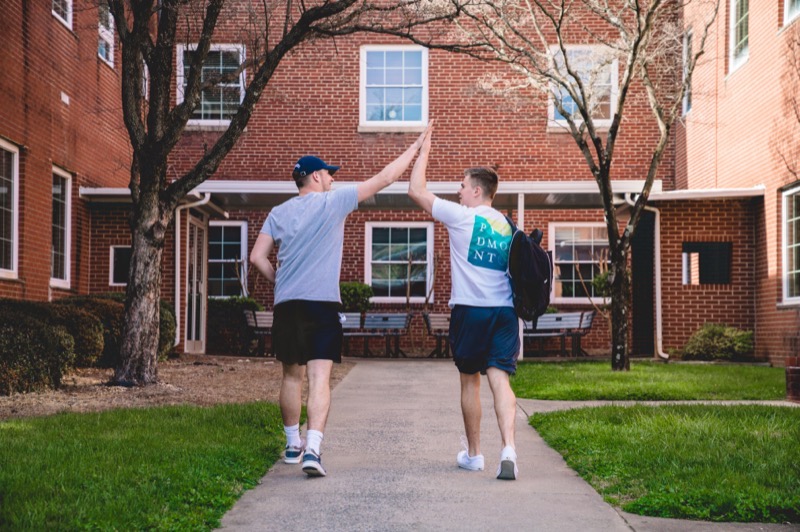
(365,126)
(106,35)
(243,256)
(552,227)
(687,51)
(790,16)
(13,273)
(601,123)
(111,251)
(368,227)
(180,79)
(55,282)
(786,197)
(734,60)
(68,21)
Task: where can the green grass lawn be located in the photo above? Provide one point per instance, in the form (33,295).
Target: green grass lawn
(169,468)
(715,463)
(581,381)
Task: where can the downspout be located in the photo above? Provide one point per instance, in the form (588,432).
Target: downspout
(206,198)
(521,226)
(657,237)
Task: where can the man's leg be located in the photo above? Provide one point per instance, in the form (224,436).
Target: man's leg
(505,404)
(291,398)
(319,403)
(471,410)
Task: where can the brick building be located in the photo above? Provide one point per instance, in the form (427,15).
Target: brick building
(695,255)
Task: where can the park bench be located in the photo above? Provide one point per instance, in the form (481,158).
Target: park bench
(390,326)
(259,322)
(352,328)
(438,326)
(560,325)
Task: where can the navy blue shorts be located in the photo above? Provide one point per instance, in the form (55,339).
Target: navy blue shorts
(307,330)
(483,337)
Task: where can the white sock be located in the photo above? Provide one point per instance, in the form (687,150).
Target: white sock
(292,435)
(314,440)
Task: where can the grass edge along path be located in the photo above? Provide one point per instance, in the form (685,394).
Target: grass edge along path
(166,468)
(703,462)
(647,381)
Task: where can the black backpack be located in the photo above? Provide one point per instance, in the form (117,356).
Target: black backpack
(530,269)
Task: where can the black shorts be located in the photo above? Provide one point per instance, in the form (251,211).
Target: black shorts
(307,330)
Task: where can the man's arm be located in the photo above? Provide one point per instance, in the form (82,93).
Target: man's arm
(259,256)
(391,173)
(418,186)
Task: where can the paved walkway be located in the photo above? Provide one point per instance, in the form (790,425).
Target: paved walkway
(390,447)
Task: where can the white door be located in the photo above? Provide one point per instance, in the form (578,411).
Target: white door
(196,258)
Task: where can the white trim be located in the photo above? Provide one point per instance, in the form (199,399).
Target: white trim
(734,62)
(179,49)
(788,17)
(68,21)
(708,194)
(55,282)
(552,226)
(106,34)
(398,126)
(368,226)
(244,246)
(688,49)
(13,273)
(786,300)
(111,252)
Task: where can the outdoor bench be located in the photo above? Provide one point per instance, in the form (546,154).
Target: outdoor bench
(574,325)
(260,324)
(390,326)
(438,326)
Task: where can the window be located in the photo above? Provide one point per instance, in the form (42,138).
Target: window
(791,246)
(791,10)
(219,102)
(578,249)
(9,210)
(120,265)
(687,58)
(394,86)
(62,9)
(227,259)
(60,255)
(706,263)
(598,70)
(389,245)
(105,27)
(740,32)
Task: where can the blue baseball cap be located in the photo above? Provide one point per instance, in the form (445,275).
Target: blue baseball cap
(309,164)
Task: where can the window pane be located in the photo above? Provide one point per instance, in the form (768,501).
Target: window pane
(399,251)
(121,265)
(414,59)
(380,234)
(374,77)
(413,113)
(59,228)
(394,59)
(374,96)
(374,113)
(394,96)
(6,208)
(380,280)
(394,113)
(374,59)
(380,252)
(394,76)
(413,76)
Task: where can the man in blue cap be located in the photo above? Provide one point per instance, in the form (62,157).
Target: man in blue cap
(307,335)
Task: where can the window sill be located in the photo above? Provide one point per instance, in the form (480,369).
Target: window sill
(59,284)
(390,129)
(65,23)
(788,305)
(212,126)
(108,63)
(8,275)
(555,127)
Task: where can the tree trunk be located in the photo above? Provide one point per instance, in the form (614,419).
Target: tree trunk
(139,347)
(620,303)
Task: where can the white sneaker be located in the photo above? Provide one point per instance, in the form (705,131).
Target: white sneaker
(465,461)
(507,470)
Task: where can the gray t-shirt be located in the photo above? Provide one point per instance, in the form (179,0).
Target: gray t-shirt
(309,232)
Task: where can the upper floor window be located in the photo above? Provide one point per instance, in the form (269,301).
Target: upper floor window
(598,70)
(791,246)
(62,9)
(105,28)
(227,254)
(220,100)
(791,10)
(9,209)
(60,256)
(687,58)
(580,253)
(394,86)
(739,33)
(399,260)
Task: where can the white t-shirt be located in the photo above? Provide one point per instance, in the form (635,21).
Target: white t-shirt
(479,241)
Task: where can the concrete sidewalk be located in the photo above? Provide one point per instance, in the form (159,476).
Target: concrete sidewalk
(390,449)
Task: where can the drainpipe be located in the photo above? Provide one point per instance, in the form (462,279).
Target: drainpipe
(521,226)
(206,198)
(659,318)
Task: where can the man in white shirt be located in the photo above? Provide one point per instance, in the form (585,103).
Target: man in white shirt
(484,329)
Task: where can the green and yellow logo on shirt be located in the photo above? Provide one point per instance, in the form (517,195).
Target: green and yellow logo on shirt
(488,247)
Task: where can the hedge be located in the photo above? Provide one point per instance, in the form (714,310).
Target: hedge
(227,331)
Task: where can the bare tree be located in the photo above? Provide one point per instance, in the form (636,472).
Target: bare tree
(149,31)
(787,132)
(589,60)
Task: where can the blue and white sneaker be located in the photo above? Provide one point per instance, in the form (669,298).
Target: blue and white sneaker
(312,464)
(292,454)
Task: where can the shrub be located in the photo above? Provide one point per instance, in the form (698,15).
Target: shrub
(718,342)
(355,296)
(111,314)
(227,331)
(34,354)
